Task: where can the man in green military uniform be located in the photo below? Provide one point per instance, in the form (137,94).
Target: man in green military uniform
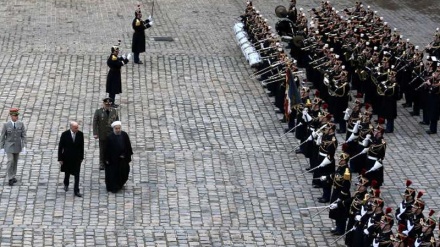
(102,121)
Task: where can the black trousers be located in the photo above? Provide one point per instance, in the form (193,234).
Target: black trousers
(76,184)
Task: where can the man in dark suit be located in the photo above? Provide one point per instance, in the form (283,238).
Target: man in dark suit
(71,155)
(118,156)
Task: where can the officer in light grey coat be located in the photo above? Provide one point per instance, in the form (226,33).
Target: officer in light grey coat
(12,142)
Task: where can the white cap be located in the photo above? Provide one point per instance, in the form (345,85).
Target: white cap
(326,45)
(280,49)
(303,14)
(331,49)
(116,123)
(368,6)
(401,36)
(336,56)
(367,43)
(301,9)
(375,11)
(269,27)
(381,18)
(316,31)
(385,23)
(257,12)
(343,67)
(375,48)
(392,66)
(437,29)
(421,63)
(265,20)
(333,8)
(362,35)
(407,40)
(395,29)
(417,47)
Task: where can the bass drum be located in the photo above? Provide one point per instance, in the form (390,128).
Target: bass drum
(285,27)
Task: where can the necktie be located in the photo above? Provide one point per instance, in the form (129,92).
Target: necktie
(73,137)
(14,125)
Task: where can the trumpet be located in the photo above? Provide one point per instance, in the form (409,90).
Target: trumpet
(267,69)
(308,47)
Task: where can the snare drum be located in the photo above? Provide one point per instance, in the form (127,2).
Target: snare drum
(241,35)
(254,58)
(238,27)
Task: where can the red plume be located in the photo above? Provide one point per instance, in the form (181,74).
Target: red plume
(401,228)
(316,93)
(420,194)
(324,106)
(373,184)
(344,147)
(367,106)
(381,121)
(408,182)
(431,212)
(359,95)
(363,172)
(388,210)
(377,193)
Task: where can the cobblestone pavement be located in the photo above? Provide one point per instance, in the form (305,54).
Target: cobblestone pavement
(210,168)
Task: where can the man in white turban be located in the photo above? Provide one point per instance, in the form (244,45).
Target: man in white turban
(117,158)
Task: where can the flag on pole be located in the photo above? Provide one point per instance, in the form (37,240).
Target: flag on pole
(292,96)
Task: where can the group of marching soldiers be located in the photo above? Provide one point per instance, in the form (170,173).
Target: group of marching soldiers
(358,51)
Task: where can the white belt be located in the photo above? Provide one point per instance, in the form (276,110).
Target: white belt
(351,130)
(322,154)
(371,157)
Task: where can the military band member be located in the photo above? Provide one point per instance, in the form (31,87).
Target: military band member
(114,83)
(383,238)
(375,156)
(139,26)
(403,212)
(426,237)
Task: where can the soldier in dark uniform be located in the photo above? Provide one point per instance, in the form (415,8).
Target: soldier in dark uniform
(414,222)
(426,238)
(372,227)
(340,198)
(403,212)
(383,239)
(434,101)
(139,26)
(326,160)
(375,156)
(102,120)
(388,91)
(114,84)
(358,199)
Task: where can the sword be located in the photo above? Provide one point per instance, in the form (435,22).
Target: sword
(314,207)
(343,235)
(320,211)
(291,130)
(152,10)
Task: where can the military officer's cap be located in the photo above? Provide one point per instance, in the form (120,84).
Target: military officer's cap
(14,112)
(107,101)
(409,191)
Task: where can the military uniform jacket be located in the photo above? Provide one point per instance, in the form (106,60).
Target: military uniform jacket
(13,140)
(102,122)
(138,44)
(114,82)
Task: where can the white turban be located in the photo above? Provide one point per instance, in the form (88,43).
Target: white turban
(115,123)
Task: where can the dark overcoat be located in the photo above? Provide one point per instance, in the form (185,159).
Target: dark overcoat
(70,152)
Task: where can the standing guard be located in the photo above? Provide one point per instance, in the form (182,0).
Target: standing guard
(139,26)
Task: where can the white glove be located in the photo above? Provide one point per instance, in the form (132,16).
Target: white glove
(325,162)
(310,138)
(370,223)
(402,210)
(365,150)
(347,114)
(2,151)
(409,226)
(376,166)
(23,151)
(352,137)
(365,141)
(405,232)
(366,232)
(314,134)
(375,243)
(149,18)
(150,23)
(333,206)
(323,178)
(129,56)
(319,139)
(357,218)
(417,243)
(363,211)
(124,56)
